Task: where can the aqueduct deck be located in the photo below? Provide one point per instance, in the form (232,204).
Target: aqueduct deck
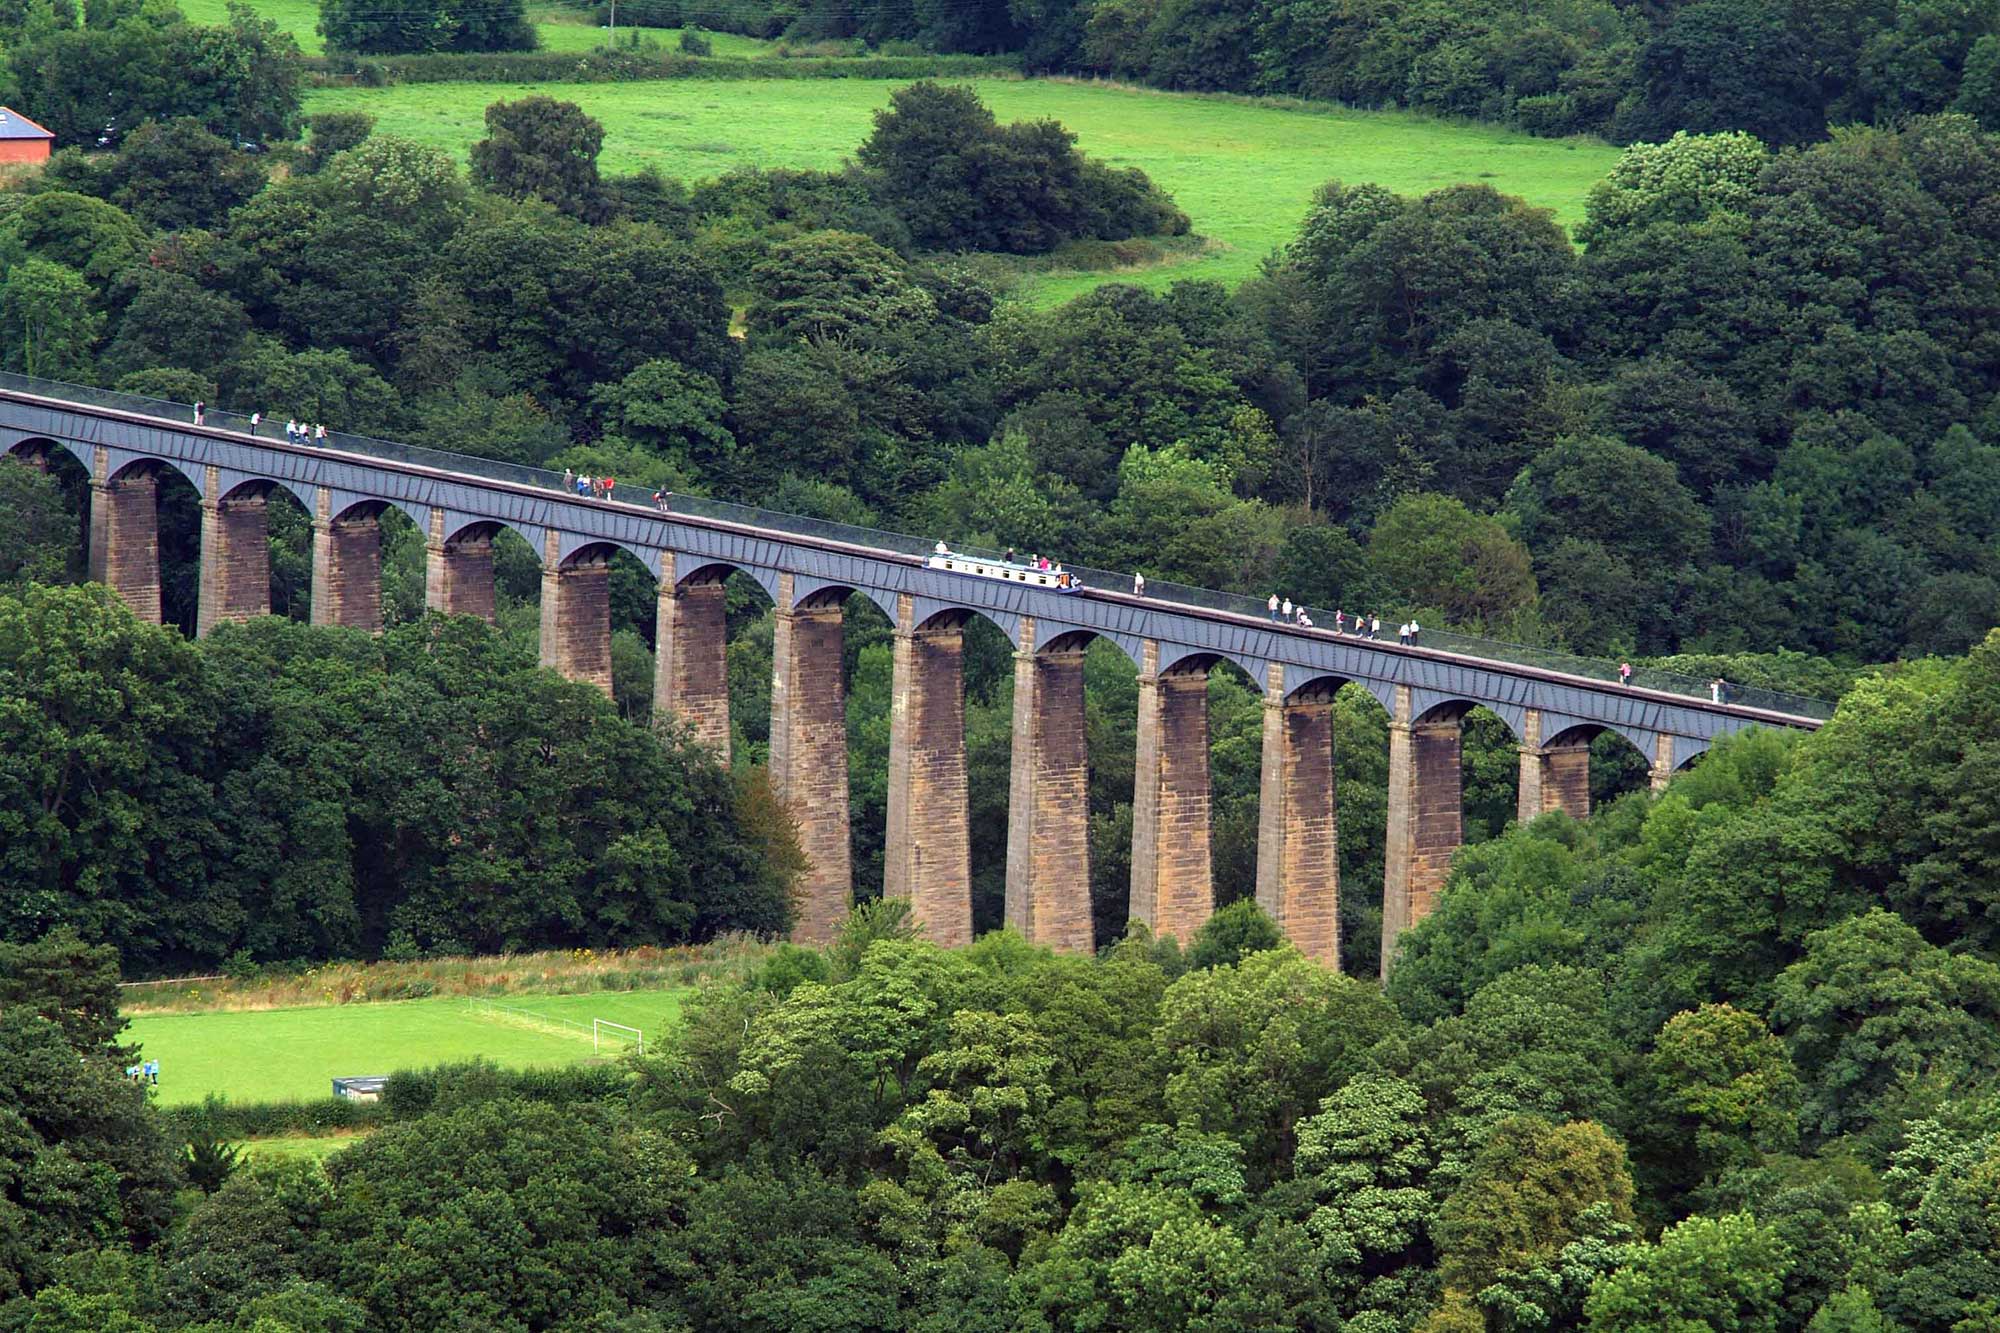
(1553,703)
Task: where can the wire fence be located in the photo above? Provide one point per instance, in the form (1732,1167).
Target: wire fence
(699,506)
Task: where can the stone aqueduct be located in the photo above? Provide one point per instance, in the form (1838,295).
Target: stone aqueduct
(461,504)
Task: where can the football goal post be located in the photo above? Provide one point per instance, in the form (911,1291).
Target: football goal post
(600,1028)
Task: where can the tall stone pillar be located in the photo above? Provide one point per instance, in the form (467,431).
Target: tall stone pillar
(1048,803)
(691,658)
(929,847)
(125,537)
(347,568)
(1173,889)
(1298,845)
(1426,819)
(809,755)
(1553,777)
(576,614)
(235,557)
(458,572)
(1662,771)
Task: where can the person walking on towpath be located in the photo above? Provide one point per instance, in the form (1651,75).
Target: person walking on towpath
(1374,627)
(1339,621)
(200,412)
(1415,630)
(1272,605)
(1138,585)
(1625,674)
(569,480)
(1285,612)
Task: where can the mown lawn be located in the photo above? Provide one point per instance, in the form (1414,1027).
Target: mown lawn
(1244,172)
(296,1053)
(560,29)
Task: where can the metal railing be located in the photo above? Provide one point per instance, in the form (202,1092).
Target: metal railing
(698,506)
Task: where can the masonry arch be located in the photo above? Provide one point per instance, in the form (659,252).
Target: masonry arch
(1618,761)
(72,482)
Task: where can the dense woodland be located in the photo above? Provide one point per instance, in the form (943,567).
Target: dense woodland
(1725,1059)
(1750,429)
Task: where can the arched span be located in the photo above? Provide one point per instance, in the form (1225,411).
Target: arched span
(817,592)
(486,529)
(590,553)
(1178,659)
(1583,733)
(264,487)
(1641,740)
(1324,687)
(360,509)
(132,465)
(28,445)
(1056,637)
(1454,710)
(959,617)
(697,572)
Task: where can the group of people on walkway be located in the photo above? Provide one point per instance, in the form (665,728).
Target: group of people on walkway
(597,488)
(298,432)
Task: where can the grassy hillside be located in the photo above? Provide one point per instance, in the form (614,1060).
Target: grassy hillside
(560,29)
(1243,171)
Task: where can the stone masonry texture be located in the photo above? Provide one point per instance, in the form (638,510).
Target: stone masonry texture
(929,852)
(809,757)
(1048,816)
(125,541)
(1298,867)
(347,571)
(691,670)
(1426,818)
(458,572)
(576,618)
(1172,881)
(235,559)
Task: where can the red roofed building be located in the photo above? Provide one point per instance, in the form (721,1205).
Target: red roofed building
(21,140)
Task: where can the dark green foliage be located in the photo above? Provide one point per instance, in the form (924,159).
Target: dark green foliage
(962,181)
(208,1162)
(539,148)
(188,842)
(358,25)
(132,65)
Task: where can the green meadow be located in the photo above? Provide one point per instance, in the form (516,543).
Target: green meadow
(559,29)
(277,1054)
(1244,171)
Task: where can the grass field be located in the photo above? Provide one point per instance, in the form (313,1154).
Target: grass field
(294,1053)
(559,29)
(313,1150)
(1244,172)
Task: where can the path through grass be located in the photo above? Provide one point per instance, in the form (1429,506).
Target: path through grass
(1244,171)
(296,1053)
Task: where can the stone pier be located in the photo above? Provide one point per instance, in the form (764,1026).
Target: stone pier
(691,656)
(928,852)
(576,613)
(458,571)
(809,755)
(347,567)
(1553,776)
(1426,818)
(235,556)
(1173,889)
(125,536)
(1048,807)
(1298,862)
(1662,770)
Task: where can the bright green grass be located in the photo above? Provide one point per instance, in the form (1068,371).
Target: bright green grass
(559,29)
(313,1150)
(1244,172)
(272,1054)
